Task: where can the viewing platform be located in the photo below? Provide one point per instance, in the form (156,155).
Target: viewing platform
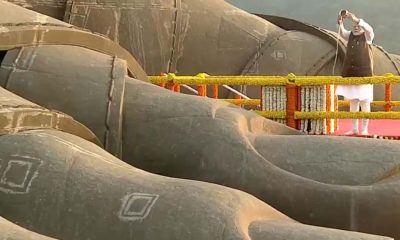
(378,128)
(307,103)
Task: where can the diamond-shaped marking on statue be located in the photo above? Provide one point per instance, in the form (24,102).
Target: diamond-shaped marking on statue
(17,174)
(137,206)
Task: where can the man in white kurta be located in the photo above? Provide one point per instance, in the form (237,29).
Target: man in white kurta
(358,63)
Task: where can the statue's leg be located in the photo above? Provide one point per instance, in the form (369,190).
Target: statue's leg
(10,231)
(60,185)
(203,139)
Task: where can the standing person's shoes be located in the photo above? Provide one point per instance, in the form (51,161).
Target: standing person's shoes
(354,130)
(365,127)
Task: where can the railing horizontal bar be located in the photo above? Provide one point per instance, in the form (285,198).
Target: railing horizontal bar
(274,80)
(343,103)
(249,102)
(347,115)
(190,89)
(332,115)
(236,91)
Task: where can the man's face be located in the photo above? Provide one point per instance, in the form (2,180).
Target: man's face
(357,30)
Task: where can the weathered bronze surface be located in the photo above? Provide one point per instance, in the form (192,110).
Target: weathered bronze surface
(191,36)
(17,115)
(188,37)
(65,187)
(22,28)
(10,231)
(73,189)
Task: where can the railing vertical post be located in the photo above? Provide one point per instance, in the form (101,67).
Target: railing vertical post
(292,101)
(262,98)
(336,107)
(328,108)
(238,97)
(170,86)
(215,91)
(177,88)
(162,84)
(388,97)
(202,89)
(298,88)
(388,93)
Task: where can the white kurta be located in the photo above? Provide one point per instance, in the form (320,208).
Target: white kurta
(362,92)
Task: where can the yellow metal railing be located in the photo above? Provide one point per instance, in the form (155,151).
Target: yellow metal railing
(204,79)
(247,102)
(292,82)
(341,103)
(331,115)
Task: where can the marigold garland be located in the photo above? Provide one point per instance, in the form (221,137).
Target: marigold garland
(247,102)
(331,115)
(343,103)
(202,78)
(312,96)
(347,115)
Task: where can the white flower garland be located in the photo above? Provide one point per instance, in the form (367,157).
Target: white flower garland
(313,99)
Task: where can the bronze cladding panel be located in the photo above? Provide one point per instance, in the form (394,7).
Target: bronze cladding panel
(18,115)
(80,82)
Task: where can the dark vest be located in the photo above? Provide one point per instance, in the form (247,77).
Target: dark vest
(358,61)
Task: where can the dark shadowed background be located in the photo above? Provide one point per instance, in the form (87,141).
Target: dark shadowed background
(383,15)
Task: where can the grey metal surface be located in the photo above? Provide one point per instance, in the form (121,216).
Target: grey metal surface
(75,190)
(82,82)
(188,37)
(18,115)
(338,182)
(52,8)
(217,38)
(10,231)
(187,137)
(37,29)
(10,13)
